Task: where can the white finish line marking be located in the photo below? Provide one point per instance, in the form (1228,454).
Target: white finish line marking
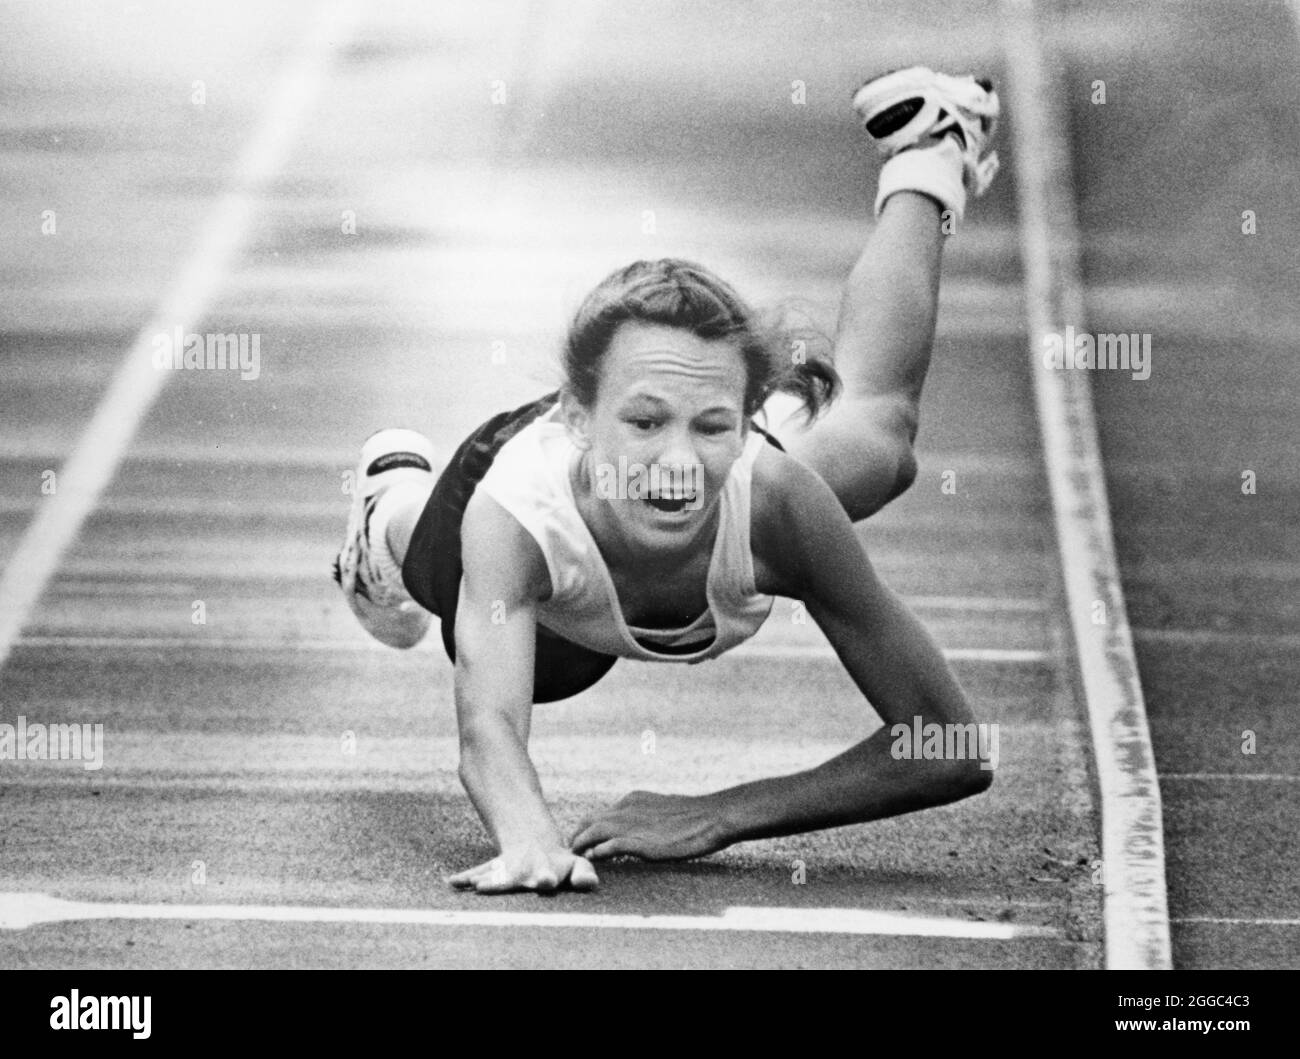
(18,911)
(137,383)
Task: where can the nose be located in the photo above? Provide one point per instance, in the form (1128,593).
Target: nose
(678,450)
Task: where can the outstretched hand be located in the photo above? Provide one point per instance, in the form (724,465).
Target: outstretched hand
(651,826)
(529,868)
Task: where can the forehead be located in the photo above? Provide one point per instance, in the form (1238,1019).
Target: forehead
(650,359)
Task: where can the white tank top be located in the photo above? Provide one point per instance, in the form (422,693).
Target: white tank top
(530,479)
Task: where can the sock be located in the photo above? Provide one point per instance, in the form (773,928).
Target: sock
(934,171)
(394,501)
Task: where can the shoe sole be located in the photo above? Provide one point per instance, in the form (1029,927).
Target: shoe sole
(894,102)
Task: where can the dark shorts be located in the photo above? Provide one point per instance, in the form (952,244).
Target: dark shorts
(433,569)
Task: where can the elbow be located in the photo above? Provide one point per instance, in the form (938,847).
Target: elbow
(965,779)
(955,779)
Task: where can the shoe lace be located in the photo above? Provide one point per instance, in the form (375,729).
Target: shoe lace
(368,579)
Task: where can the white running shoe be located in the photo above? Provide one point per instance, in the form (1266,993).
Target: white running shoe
(916,106)
(369,576)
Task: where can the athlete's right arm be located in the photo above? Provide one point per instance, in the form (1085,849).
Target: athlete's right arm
(496,626)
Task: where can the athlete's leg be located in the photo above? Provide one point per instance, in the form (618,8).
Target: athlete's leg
(933,130)
(862,446)
(401,509)
(394,464)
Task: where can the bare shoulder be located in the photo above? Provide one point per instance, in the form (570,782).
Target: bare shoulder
(499,555)
(788,504)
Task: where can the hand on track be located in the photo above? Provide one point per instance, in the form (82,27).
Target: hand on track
(529,868)
(651,826)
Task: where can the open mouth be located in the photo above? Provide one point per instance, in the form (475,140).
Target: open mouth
(670,504)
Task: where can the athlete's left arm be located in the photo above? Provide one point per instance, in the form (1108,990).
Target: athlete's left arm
(807,548)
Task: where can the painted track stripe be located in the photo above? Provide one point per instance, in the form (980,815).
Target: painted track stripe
(991,655)
(137,383)
(19,911)
(1136,911)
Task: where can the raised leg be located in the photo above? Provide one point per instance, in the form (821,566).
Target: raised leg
(862,446)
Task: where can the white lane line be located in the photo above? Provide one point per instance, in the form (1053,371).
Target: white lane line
(1215,777)
(793,652)
(1136,909)
(137,383)
(1236,922)
(19,911)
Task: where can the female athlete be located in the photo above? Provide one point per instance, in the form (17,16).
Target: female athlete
(640,512)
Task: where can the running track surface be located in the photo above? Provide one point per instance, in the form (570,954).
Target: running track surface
(478,227)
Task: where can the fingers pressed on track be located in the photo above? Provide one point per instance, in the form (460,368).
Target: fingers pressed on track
(592,834)
(471,877)
(583,877)
(583,825)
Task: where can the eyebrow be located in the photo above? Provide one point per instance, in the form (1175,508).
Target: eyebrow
(659,403)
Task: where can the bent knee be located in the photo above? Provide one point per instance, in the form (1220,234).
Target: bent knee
(905,467)
(894,463)
(863,450)
(889,431)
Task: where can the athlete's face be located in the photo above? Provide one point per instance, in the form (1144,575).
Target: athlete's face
(666,426)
